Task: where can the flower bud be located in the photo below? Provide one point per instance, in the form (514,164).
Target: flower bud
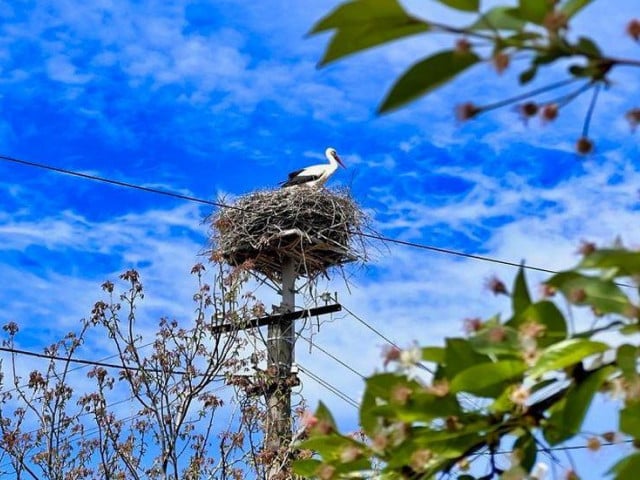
(584,146)
(633,29)
(633,117)
(586,248)
(528,109)
(467,111)
(463,45)
(497,286)
(500,61)
(549,112)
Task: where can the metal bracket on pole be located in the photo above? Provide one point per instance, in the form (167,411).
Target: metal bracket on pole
(270,319)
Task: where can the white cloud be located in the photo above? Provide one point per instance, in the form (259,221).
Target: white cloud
(61,69)
(162,244)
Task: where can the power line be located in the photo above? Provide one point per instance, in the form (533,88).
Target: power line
(343,396)
(83,414)
(370,327)
(449,251)
(580,447)
(29,353)
(329,387)
(558,448)
(329,354)
(470,255)
(256,322)
(385,338)
(110,181)
(75,368)
(87,433)
(189,198)
(473,402)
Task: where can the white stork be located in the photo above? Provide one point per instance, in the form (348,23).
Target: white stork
(315,175)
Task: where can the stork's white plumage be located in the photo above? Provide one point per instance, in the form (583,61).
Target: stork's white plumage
(315,175)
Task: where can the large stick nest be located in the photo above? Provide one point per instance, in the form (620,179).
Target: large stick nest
(315,228)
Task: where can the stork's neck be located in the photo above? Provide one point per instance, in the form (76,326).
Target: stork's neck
(332,161)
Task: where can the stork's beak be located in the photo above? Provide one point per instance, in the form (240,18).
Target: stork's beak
(335,155)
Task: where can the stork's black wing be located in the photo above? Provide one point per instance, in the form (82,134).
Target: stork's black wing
(299,180)
(295,173)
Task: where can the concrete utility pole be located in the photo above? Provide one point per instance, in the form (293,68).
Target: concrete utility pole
(280,351)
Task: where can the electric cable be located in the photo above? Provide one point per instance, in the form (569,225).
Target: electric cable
(110,181)
(385,338)
(190,198)
(343,396)
(81,361)
(330,355)
(99,362)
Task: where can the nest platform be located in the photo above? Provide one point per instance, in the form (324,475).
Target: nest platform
(316,228)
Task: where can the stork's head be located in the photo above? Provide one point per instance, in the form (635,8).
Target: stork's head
(331,153)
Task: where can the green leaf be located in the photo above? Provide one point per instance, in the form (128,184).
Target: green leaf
(376,386)
(603,294)
(626,359)
(528,75)
(571,7)
(520,297)
(397,461)
(566,353)
(324,415)
(503,403)
(626,262)
(459,354)
(447,443)
(362,24)
(488,379)
(422,408)
(627,468)
(330,447)
(526,444)
(517,39)
(544,384)
(433,354)
(498,18)
(307,468)
(630,419)
(534,10)
(426,76)
(378,392)
(580,71)
(545,313)
(549,56)
(357,12)
(466,5)
(485,342)
(578,400)
(548,314)
(552,429)
(630,329)
(589,47)
(581,394)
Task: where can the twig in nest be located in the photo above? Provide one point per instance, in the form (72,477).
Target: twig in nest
(315,227)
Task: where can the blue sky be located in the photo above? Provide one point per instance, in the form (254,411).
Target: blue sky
(222,98)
